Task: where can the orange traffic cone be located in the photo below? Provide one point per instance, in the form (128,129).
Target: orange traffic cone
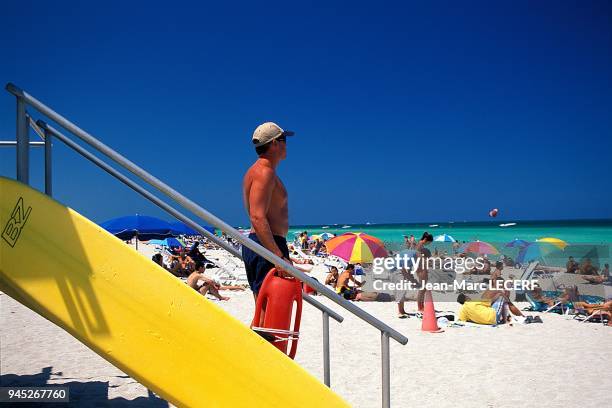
(430,323)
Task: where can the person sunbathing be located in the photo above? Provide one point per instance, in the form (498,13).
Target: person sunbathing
(587,268)
(342,286)
(332,277)
(538,296)
(203,284)
(591,307)
(597,308)
(599,279)
(571,266)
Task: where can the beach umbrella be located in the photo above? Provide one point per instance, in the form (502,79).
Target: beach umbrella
(555,241)
(140,226)
(535,251)
(168,242)
(444,238)
(517,243)
(479,247)
(326,236)
(356,247)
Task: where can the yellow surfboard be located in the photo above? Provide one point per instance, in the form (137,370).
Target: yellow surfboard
(136,315)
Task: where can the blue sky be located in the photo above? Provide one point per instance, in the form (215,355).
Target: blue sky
(404,111)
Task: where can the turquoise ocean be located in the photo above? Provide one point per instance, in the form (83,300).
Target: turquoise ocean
(586,238)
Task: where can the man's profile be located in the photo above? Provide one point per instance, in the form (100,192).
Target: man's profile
(265,200)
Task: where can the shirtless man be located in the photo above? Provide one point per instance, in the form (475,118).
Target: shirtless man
(342,286)
(207,285)
(265,200)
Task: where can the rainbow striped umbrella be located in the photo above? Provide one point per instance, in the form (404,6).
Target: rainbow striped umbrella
(356,247)
(480,247)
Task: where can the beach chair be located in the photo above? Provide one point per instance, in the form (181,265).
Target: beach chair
(583,316)
(536,306)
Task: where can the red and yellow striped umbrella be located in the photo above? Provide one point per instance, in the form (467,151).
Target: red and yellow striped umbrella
(356,247)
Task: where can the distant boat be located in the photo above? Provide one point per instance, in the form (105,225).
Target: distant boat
(434,225)
(508,224)
(325,226)
(368,223)
(346,226)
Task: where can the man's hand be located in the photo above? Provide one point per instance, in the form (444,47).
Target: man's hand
(281,271)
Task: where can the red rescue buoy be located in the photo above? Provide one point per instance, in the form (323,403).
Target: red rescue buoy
(274,309)
(493,212)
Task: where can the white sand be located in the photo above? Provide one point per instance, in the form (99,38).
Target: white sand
(558,363)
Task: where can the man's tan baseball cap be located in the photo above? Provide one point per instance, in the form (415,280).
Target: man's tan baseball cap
(267,132)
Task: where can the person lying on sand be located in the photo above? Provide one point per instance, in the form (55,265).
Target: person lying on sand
(203,284)
(599,279)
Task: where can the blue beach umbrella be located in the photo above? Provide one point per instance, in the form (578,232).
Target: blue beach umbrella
(444,238)
(517,243)
(326,236)
(140,226)
(535,251)
(168,242)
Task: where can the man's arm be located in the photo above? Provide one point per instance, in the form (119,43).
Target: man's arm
(355,281)
(260,195)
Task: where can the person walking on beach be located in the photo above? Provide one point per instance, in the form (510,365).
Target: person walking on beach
(421,272)
(265,200)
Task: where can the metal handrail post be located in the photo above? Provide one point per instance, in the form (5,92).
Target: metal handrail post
(326,369)
(23,143)
(48,166)
(386,370)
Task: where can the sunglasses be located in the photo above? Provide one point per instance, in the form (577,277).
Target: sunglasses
(282,139)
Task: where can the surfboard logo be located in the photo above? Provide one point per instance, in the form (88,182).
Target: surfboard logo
(15,224)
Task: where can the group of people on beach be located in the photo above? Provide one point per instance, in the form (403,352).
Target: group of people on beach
(191,264)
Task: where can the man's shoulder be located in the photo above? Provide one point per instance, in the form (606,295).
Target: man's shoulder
(259,170)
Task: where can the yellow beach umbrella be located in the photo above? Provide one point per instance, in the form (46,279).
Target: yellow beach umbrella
(559,243)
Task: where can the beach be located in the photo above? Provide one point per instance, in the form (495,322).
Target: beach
(561,362)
